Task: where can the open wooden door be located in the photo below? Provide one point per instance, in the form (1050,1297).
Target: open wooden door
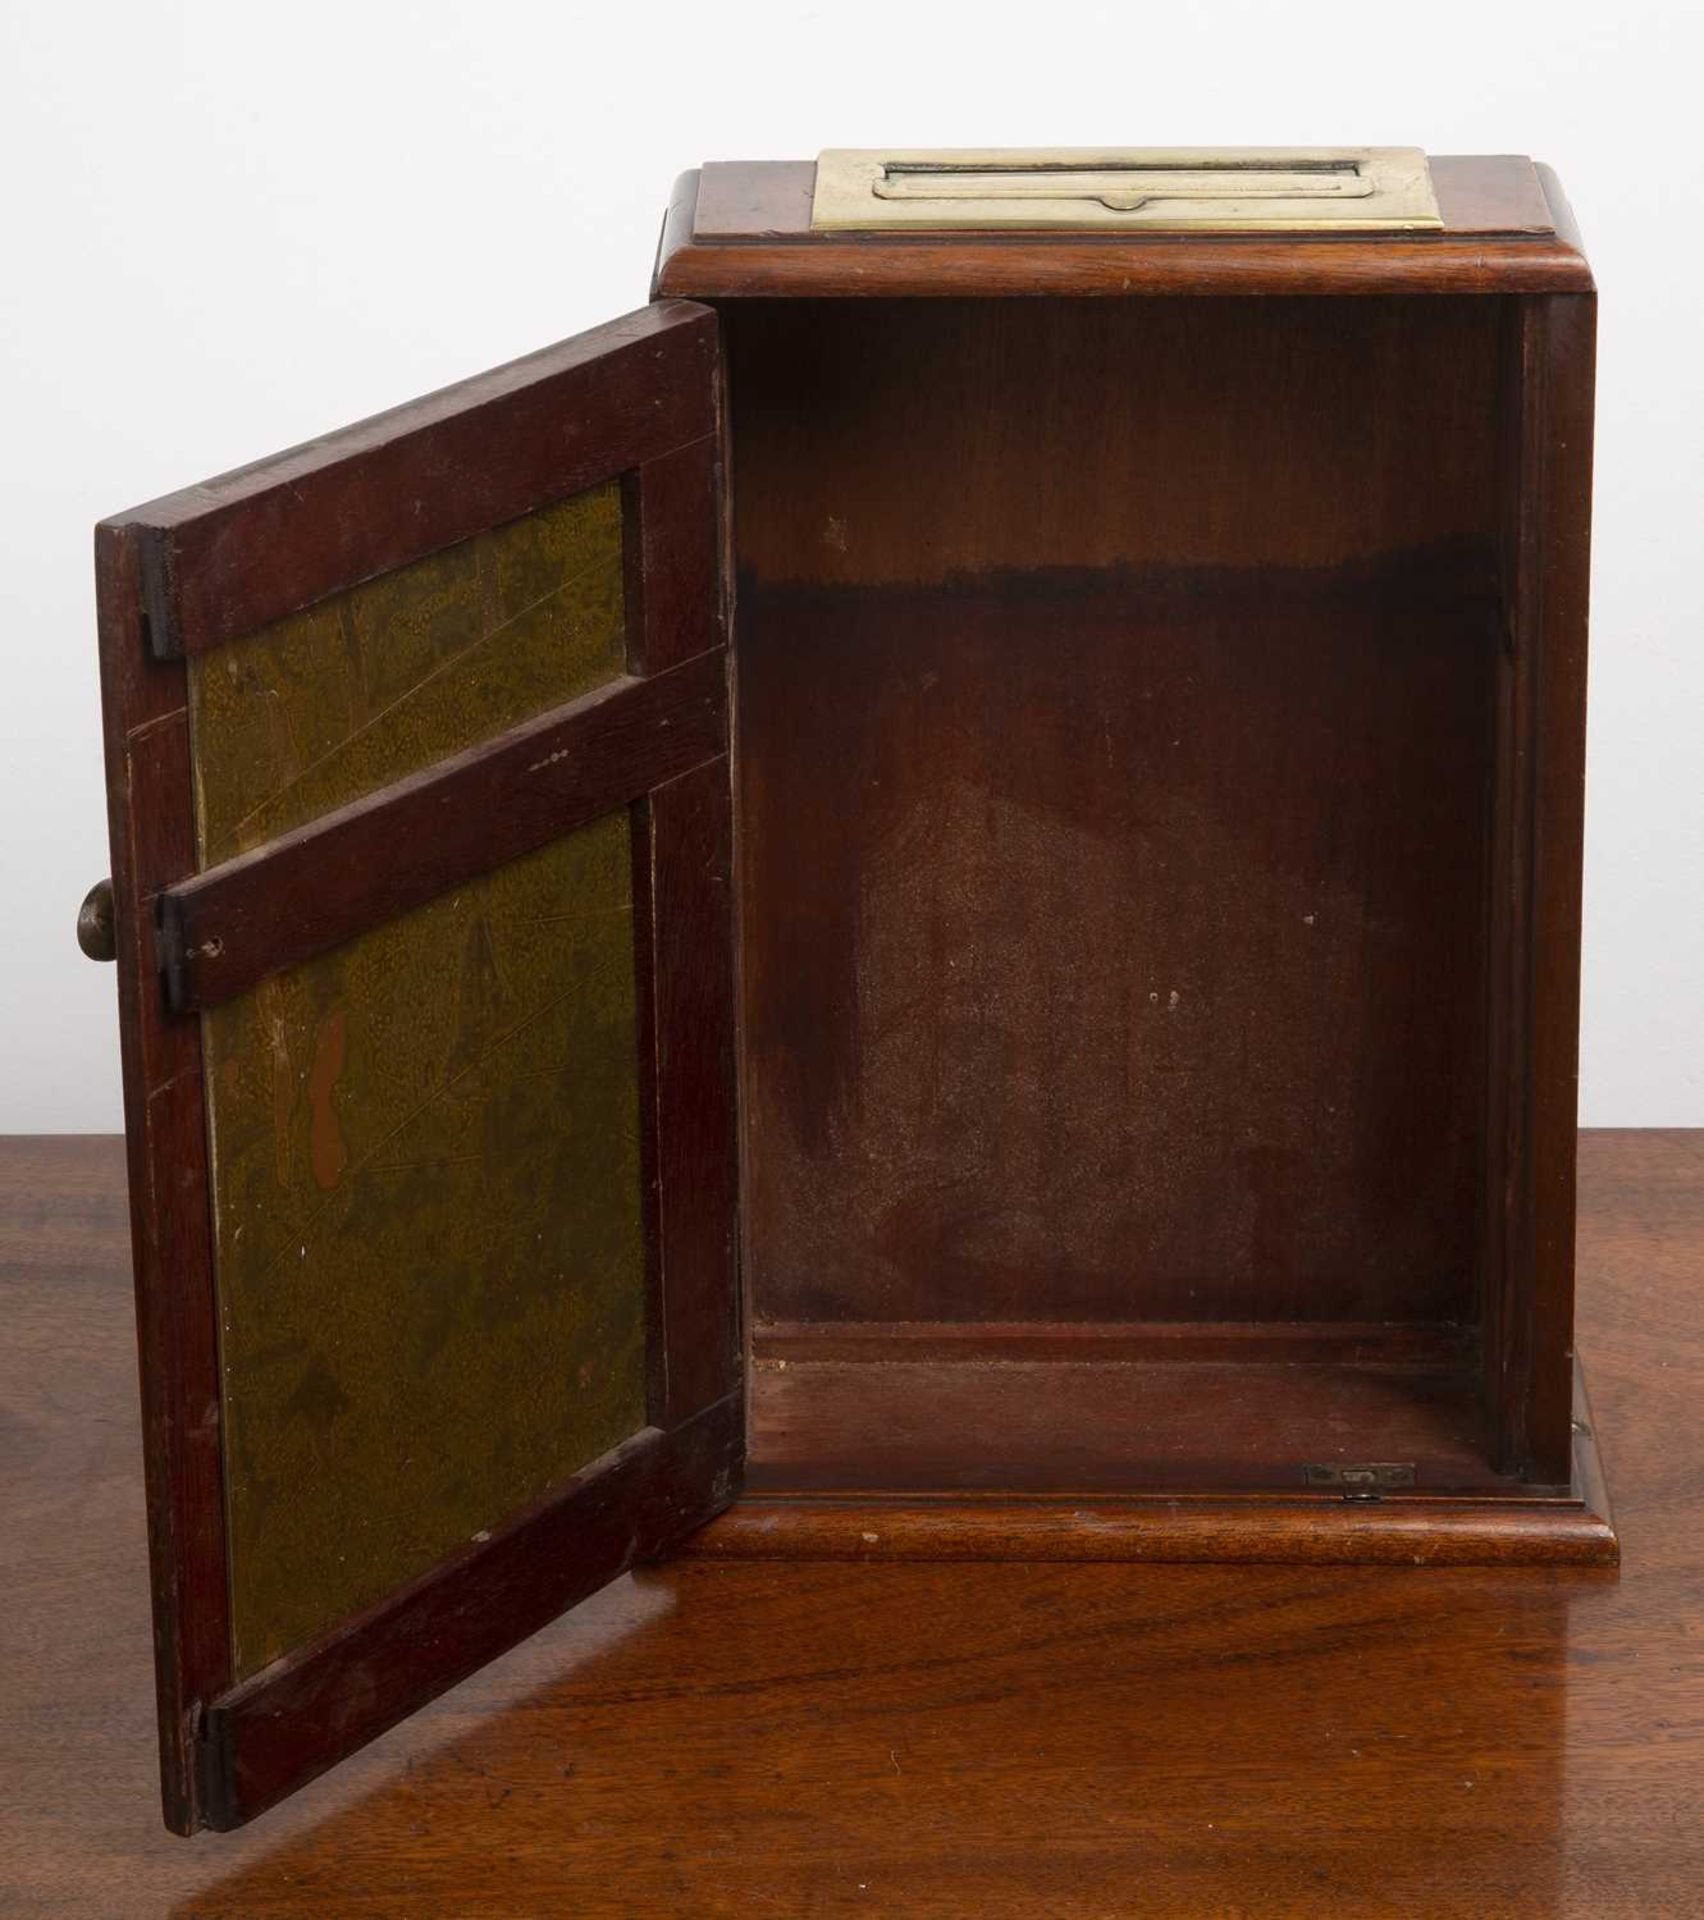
(417,744)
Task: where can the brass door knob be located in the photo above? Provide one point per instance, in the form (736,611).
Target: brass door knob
(95,934)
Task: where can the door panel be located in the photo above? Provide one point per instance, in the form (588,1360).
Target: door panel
(401,671)
(429,1237)
(418,766)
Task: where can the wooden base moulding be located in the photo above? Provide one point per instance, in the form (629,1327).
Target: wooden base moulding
(1574,1528)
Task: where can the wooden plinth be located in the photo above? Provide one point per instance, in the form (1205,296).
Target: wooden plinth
(1467,1529)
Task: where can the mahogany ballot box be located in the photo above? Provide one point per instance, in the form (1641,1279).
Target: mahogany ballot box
(925,896)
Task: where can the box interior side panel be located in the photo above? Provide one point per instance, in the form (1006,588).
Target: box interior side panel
(1116,697)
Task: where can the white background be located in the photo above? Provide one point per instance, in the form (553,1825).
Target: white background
(228,227)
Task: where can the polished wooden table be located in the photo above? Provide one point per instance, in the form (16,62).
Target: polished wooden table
(980,1740)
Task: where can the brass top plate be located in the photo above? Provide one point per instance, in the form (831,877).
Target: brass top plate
(1136,189)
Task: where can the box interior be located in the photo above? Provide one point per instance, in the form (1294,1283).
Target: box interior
(1116,726)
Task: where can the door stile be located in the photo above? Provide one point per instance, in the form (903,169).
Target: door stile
(152,832)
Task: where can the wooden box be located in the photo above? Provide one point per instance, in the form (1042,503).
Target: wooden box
(925,897)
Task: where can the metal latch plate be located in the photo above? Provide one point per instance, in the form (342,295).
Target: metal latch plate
(1360,1479)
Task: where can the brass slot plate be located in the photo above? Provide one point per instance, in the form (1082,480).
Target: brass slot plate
(1135,189)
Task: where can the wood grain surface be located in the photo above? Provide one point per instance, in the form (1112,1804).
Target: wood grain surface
(784,1739)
